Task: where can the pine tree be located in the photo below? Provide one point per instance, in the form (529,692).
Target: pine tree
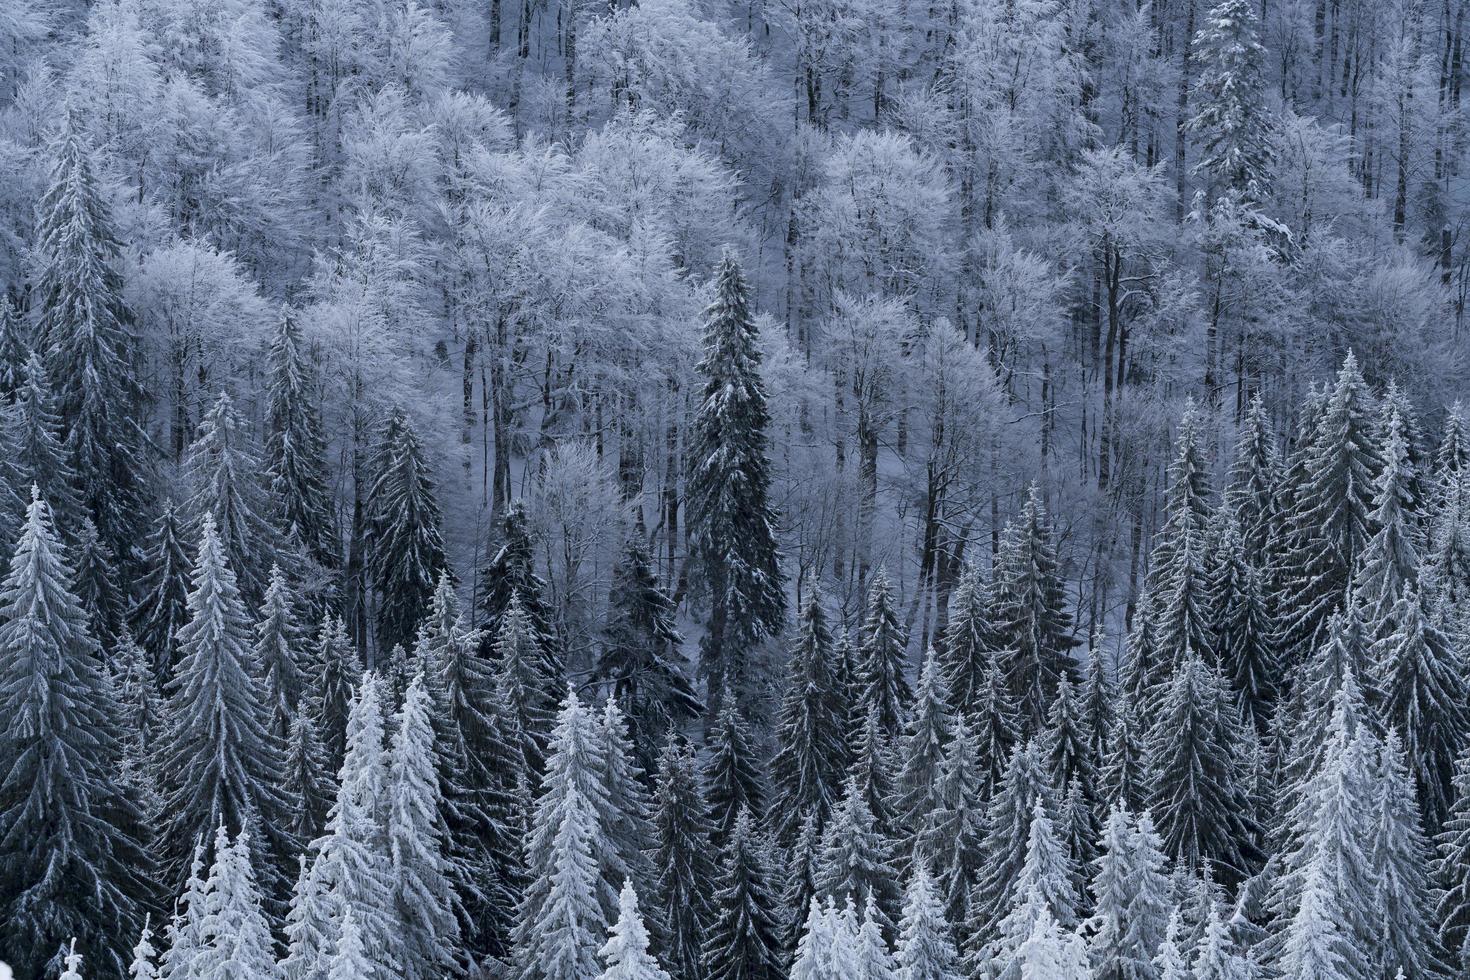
(96,584)
(967,653)
(279,651)
(1389,565)
(406,554)
(824,952)
(223,474)
(744,940)
(925,950)
(1029,613)
(145,958)
(1144,669)
(732,539)
(953,836)
(856,859)
(310,935)
(427,927)
(1125,778)
(1003,849)
(565,891)
(15,344)
(1233,125)
(1243,629)
(997,730)
(523,679)
(882,659)
(1452,866)
(1399,858)
(1316,948)
(626,950)
(350,961)
(1425,697)
(334,671)
(511,571)
(304,780)
(1216,957)
(164,604)
(1099,706)
(234,938)
(1255,475)
(1203,812)
(139,701)
(640,656)
(1066,743)
(34,439)
(921,751)
(732,774)
(1130,898)
(1179,542)
(72,963)
(86,333)
(1043,888)
(182,934)
(295,448)
(871,770)
(68,866)
(1049,954)
(800,889)
(627,814)
(811,727)
(220,763)
(871,959)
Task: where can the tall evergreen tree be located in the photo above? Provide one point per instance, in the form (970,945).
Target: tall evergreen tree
(1255,475)
(626,951)
(234,938)
(732,525)
(96,584)
(1399,859)
(811,728)
(683,860)
(1131,900)
(921,751)
(163,604)
(744,939)
(334,670)
(68,866)
(295,448)
(33,435)
(1452,869)
(1003,850)
(882,660)
(733,775)
(304,780)
(1389,564)
(279,652)
(1043,888)
(1186,507)
(511,571)
(967,652)
(925,950)
(1242,626)
(1234,125)
(856,859)
(627,814)
(525,682)
(86,333)
(953,836)
(15,347)
(406,554)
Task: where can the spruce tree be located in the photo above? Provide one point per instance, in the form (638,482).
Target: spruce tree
(732,772)
(882,660)
(427,927)
(406,551)
(1130,899)
(627,814)
(96,584)
(304,780)
(140,704)
(952,837)
(967,653)
(86,333)
(1399,859)
(734,560)
(220,763)
(640,656)
(1243,629)
(626,952)
(744,937)
(811,728)
(295,448)
(1452,868)
(1389,564)
(799,891)
(1125,777)
(921,751)
(1003,848)
(682,859)
(1043,888)
(871,959)
(1234,125)
(308,929)
(68,866)
(1066,743)
(34,439)
(223,474)
(234,938)
(350,960)
(279,651)
(525,681)
(334,671)
(996,725)
(511,571)
(1255,475)
(925,950)
(871,770)
(1180,540)
(856,859)
(163,606)
(15,343)
(1029,612)
(145,957)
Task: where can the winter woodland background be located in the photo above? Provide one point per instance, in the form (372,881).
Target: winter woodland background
(734,489)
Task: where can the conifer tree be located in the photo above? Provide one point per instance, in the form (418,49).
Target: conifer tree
(800,889)
(871,769)
(1389,564)
(744,940)
(811,728)
(304,781)
(1125,778)
(1452,868)
(856,859)
(626,952)
(96,584)
(1399,859)
(1180,540)
(310,935)
(996,725)
(145,957)
(164,604)
(1099,705)
(1315,946)
(1242,626)
(524,681)
(871,959)
(86,333)
(1233,125)
(967,653)
(732,771)
(1049,953)
(234,938)
(1029,613)
(640,656)
(1043,888)
(627,815)
(682,860)
(34,439)
(825,951)
(334,671)
(925,950)
(1255,475)
(1130,898)
(1003,849)
(511,571)
(921,751)
(406,553)
(953,836)
(295,448)
(1216,958)
(14,349)
(1066,744)
(732,538)
(279,652)
(71,963)
(1199,800)
(223,474)
(882,660)
(140,704)
(220,764)
(68,865)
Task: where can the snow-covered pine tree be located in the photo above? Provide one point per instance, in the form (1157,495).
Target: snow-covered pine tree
(627,815)
(1243,629)
(15,343)
(871,768)
(1234,124)
(823,952)
(1255,474)
(71,963)
(1186,508)
(523,680)
(744,941)
(427,928)
(224,476)
(733,555)
(295,448)
(871,959)
(811,728)
(641,657)
(334,671)
(921,751)
(32,431)
(406,550)
(1199,798)
(1144,671)
(1389,564)
(996,725)
(1216,958)
(1124,779)
(350,960)
(1029,613)
(1426,696)
(1399,861)
(234,938)
(1452,869)
(568,830)
(163,606)
(1066,744)
(952,836)
(220,763)
(304,780)
(279,650)
(967,652)
(925,949)
(96,584)
(1044,887)
(138,698)
(732,770)
(1099,706)
(883,659)
(856,859)
(310,933)
(68,864)
(1049,953)
(144,965)
(85,331)
(1131,900)
(1315,946)
(353,866)
(511,571)
(626,952)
